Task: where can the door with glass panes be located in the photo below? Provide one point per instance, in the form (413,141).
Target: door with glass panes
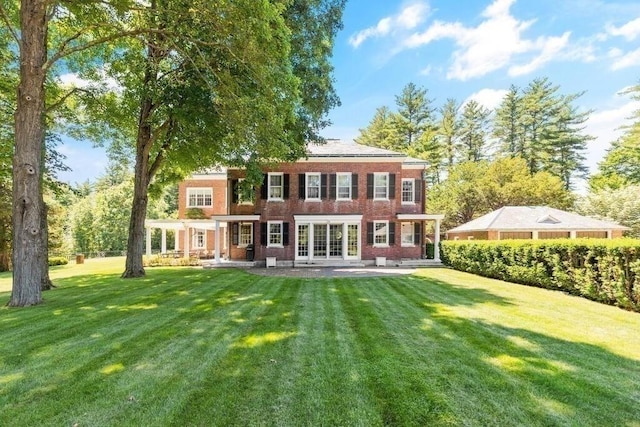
(327,241)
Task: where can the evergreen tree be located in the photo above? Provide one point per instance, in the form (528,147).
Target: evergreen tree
(415,115)
(449,131)
(381,131)
(473,131)
(507,125)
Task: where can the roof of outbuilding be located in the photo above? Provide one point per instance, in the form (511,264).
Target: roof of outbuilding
(534,218)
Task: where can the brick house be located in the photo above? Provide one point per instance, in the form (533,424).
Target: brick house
(344,204)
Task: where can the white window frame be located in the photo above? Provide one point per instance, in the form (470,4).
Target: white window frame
(273,187)
(407,231)
(384,225)
(306,185)
(412,194)
(202,192)
(376,186)
(195,241)
(349,176)
(271,244)
(241,201)
(241,242)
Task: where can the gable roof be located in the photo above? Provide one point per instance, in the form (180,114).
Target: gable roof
(534,218)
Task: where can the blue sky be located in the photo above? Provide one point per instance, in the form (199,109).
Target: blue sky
(466,49)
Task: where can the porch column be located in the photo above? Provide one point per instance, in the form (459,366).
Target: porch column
(572,234)
(176,239)
(217,242)
(148,241)
(534,234)
(163,241)
(187,243)
(436,241)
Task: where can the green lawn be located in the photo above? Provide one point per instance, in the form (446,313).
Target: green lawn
(225,347)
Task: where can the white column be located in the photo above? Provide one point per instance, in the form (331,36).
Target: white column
(187,243)
(436,241)
(534,235)
(176,239)
(572,234)
(148,241)
(163,241)
(217,242)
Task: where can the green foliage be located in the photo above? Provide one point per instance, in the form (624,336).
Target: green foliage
(620,205)
(474,125)
(195,213)
(607,271)
(473,189)
(58,260)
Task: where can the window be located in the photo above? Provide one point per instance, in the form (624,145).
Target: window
(380,186)
(313,186)
(408,231)
(199,197)
(275,234)
(408,190)
(380,233)
(246,234)
(199,240)
(343,186)
(243,199)
(275,186)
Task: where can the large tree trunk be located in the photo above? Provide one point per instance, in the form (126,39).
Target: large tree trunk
(29,254)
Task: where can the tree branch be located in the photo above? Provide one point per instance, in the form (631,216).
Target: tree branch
(169,126)
(5,18)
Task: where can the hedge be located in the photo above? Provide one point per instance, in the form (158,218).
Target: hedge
(58,260)
(160,261)
(607,271)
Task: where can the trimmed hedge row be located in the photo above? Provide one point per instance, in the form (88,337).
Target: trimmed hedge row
(58,260)
(159,261)
(607,271)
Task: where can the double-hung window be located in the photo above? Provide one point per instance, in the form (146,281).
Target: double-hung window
(380,186)
(276,183)
(313,186)
(274,229)
(380,233)
(199,197)
(343,186)
(408,190)
(199,240)
(245,234)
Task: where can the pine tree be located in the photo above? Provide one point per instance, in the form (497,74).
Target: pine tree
(381,131)
(473,131)
(415,115)
(449,131)
(507,125)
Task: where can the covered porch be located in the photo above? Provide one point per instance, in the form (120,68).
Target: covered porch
(190,237)
(424,218)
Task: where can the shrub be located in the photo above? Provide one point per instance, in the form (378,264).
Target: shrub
(602,270)
(160,261)
(58,260)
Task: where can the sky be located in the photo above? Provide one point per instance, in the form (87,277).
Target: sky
(471,49)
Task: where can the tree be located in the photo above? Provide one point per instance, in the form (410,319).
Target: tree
(507,125)
(620,205)
(449,130)
(621,164)
(415,115)
(473,189)
(473,131)
(381,131)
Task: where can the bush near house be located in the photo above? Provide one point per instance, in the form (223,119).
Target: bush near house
(58,260)
(607,271)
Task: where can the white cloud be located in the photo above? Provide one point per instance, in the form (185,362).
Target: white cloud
(550,48)
(629,31)
(489,98)
(493,44)
(73,80)
(630,59)
(408,18)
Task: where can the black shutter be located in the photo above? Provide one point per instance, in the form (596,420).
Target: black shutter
(418,191)
(264,190)
(263,233)
(323,186)
(285,190)
(369,186)
(285,234)
(301,185)
(392,186)
(234,191)
(392,233)
(417,232)
(332,186)
(354,186)
(235,233)
(369,233)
